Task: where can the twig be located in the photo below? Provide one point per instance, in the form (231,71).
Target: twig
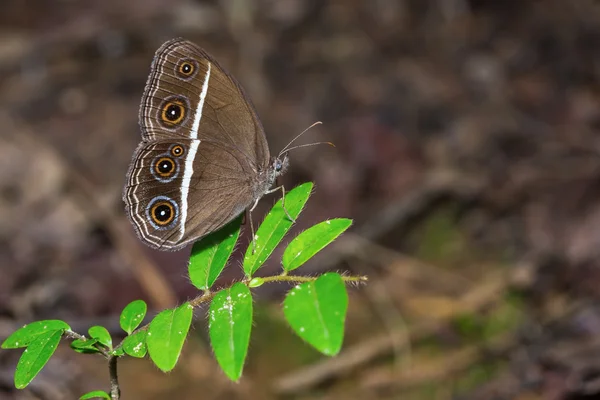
(296,278)
(208,295)
(115,391)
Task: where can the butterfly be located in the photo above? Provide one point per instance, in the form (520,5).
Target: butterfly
(203,158)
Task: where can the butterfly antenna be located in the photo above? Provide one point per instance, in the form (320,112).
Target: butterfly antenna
(287,147)
(309,144)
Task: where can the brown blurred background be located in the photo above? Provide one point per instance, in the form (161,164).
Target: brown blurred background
(467,153)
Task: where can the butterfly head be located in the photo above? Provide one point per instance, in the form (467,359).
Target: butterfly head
(280,164)
(277,166)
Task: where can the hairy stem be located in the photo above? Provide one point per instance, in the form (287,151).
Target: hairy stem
(295,278)
(115,391)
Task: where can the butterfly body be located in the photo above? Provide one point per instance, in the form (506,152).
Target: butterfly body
(203,159)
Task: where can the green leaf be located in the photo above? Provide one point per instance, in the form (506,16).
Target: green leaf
(35,356)
(22,337)
(85,346)
(210,255)
(166,335)
(316,311)
(311,241)
(229,326)
(95,394)
(132,315)
(256,282)
(101,335)
(135,345)
(274,228)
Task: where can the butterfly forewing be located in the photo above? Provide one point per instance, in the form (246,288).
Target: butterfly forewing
(226,114)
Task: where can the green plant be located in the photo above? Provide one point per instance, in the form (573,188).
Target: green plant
(315,308)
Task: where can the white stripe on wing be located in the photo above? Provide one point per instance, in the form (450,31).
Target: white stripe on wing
(188,169)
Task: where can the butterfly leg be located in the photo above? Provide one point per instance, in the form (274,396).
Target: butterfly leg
(252,226)
(282,188)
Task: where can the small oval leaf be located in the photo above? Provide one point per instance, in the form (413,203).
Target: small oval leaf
(229,326)
(274,227)
(132,315)
(35,356)
(316,311)
(311,241)
(101,334)
(96,394)
(22,337)
(87,346)
(135,345)
(210,255)
(166,335)
(256,282)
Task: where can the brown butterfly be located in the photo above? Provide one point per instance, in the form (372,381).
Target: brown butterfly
(204,157)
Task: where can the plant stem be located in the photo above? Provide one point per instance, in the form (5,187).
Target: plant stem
(208,295)
(115,391)
(296,278)
(74,335)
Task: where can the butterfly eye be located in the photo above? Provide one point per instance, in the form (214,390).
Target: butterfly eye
(173,112)
(177,150)
(162,213)
(186,68)
(164,167)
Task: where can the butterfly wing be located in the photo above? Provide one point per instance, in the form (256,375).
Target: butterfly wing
(189,95)
(203,154)
(178,191)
